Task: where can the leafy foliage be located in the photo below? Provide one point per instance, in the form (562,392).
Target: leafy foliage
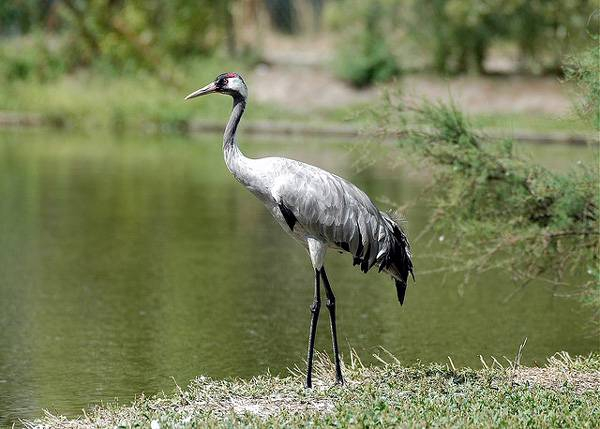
(365,58)
(282,14)
(113,35)
(139,33)
(31,59)
(584,71)
(460,32)
(22,15)
(456,36)
(502,210)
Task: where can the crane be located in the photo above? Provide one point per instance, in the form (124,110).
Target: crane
(318,209)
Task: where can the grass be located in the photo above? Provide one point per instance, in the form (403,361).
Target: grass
(91,99)
(562,394)
(506,122)
(543,123)
(97,98)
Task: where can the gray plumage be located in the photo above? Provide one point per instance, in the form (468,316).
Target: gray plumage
(332,211)
(319,209)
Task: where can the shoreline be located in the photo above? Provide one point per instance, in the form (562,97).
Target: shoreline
(9,119)
(563,393)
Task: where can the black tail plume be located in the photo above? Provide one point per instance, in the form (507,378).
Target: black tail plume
(398,262)
(400,290)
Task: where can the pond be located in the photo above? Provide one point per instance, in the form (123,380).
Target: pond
(130,263)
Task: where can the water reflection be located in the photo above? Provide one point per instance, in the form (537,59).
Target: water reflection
(125,261)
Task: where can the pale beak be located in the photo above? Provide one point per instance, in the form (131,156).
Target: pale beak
(211,87)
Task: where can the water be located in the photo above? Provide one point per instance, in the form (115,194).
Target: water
(127,262)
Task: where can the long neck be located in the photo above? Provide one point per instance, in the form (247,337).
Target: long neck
(234,158)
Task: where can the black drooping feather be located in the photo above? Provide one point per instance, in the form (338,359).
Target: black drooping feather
(288,215)
(359,249)
(400,290)
(397,260)
(364,265)
(345,246)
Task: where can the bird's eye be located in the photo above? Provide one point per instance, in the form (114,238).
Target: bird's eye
(223,82)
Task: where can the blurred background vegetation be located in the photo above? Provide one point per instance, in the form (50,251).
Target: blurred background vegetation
(43,39)
(373,41)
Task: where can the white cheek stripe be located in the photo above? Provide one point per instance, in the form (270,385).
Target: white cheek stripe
(238,85)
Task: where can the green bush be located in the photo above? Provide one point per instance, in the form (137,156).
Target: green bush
(504,211)
(30,58)
(584,71)
(365,58)
(456,36)
(460,32)
(371,63)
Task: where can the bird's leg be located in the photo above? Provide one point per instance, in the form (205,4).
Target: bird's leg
(331,307)
(314,309)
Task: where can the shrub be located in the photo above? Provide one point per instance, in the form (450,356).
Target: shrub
(30,58)
(503,211)
(584,71)
(366,58)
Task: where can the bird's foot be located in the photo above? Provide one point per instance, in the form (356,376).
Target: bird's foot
(339,380)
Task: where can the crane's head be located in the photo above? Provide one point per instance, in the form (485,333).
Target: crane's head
(230,84)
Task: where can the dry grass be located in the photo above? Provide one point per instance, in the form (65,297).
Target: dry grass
(562,372)
(564,393)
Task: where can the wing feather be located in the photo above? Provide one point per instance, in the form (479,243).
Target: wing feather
(334,210)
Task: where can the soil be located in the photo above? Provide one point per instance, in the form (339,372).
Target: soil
(297,75)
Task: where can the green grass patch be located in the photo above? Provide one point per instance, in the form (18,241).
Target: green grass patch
(92,98)
(562,394)
(543,123)
(100,98)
